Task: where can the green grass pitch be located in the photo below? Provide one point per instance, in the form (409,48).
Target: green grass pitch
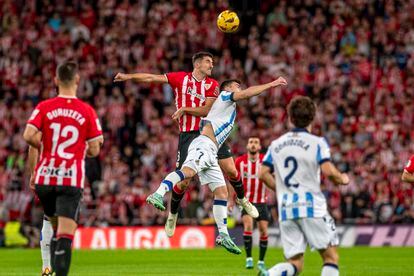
(353,261)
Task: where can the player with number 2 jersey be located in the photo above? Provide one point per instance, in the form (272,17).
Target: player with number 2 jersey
(297,159)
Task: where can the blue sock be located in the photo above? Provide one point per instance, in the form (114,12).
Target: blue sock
(169,181)
(220,215)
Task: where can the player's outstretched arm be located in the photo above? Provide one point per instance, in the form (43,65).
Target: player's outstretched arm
(141,77)
(258,89)
(267,177)
(407,176)
(330,171)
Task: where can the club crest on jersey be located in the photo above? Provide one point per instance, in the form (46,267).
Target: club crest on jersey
(207,85)
(55,172)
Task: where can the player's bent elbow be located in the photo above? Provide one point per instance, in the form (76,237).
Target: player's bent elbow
(26,137)
(94,148)
(31,140)
(93,152)
(407,177)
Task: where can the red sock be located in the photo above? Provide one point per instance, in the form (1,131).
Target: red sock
(178,190)
(263,238)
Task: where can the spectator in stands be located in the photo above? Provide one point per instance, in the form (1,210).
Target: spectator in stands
(360,71)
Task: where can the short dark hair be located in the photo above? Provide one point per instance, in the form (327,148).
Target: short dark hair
(201,55)
(301,111)
(66,72)
(227,83)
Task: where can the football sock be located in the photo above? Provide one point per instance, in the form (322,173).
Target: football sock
(53,243)
(247,237)
(169,181)
(330,269)
(263,247)
(286,269)
(220,215)
(238,186)
(45,240)
(63,254)
(176,197)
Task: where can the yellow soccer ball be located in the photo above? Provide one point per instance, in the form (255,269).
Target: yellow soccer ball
(228,21)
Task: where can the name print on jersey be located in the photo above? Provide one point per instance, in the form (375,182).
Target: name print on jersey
(292,142)
(69,113)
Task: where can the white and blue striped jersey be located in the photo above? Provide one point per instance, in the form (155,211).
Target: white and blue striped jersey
(295,157)
(221,116)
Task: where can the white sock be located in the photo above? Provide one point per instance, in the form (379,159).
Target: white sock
(286,269)
(220,215)
(329,269)
(45,238)
(169,181)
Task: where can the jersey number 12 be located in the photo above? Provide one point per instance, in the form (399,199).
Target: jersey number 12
(69,142)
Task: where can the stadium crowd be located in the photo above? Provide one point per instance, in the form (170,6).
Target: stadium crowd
(352,57)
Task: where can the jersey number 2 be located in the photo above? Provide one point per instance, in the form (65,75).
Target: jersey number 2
(69,142)
(288,161)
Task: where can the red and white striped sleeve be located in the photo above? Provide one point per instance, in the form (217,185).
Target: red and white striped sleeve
(95,129)
(175,79)
(36,119)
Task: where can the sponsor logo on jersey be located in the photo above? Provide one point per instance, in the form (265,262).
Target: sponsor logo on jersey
(193,92)
(56,172)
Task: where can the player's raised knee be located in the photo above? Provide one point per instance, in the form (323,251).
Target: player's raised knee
(231,172)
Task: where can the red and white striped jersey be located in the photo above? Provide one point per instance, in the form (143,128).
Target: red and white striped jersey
(254,189)
(190,92)
(67,124)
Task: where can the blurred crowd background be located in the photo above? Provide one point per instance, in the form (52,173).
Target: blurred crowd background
(352,57)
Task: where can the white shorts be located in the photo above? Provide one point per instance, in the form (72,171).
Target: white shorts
(319,233)
(202,157)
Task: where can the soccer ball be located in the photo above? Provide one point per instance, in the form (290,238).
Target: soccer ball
(228,21)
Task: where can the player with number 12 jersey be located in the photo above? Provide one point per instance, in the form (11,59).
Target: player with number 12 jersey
(66,123)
